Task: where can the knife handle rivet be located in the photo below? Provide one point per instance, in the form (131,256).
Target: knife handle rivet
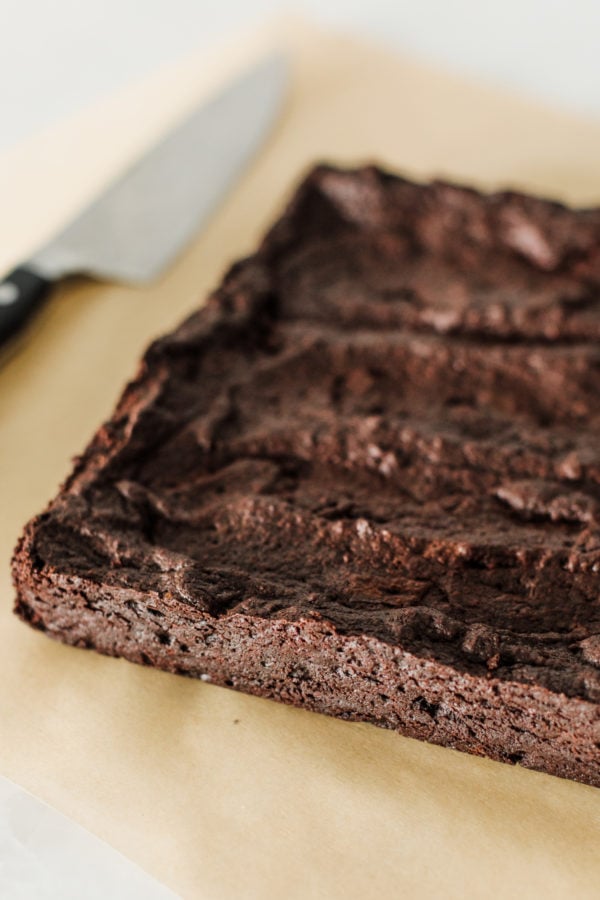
(9,293)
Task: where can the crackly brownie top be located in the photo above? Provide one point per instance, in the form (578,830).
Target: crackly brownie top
(388,417)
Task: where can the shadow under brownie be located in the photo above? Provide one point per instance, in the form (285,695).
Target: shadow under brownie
(364,478)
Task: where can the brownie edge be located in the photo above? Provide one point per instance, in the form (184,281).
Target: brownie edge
(364,478)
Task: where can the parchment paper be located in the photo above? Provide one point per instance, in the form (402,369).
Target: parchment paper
(217,794)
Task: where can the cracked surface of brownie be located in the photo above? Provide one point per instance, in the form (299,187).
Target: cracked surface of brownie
(364,478)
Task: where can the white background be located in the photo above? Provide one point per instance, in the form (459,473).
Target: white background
(57,56)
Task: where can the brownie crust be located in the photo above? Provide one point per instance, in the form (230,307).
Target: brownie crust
(364,479)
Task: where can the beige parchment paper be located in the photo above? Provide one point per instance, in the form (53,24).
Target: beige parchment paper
(217,794)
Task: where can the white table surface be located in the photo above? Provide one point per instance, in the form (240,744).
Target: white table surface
(58,56)
(45,856)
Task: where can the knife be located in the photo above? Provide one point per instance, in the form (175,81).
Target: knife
(140,223)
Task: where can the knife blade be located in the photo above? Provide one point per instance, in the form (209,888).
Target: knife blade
(136,228)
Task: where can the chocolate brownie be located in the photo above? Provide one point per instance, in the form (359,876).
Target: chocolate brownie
(364,478)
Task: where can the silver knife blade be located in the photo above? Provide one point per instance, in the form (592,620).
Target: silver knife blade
(140,223)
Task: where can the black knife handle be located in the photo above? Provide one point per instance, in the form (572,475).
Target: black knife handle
(21,293)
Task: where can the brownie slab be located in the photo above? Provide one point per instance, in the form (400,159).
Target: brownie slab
(364,478)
